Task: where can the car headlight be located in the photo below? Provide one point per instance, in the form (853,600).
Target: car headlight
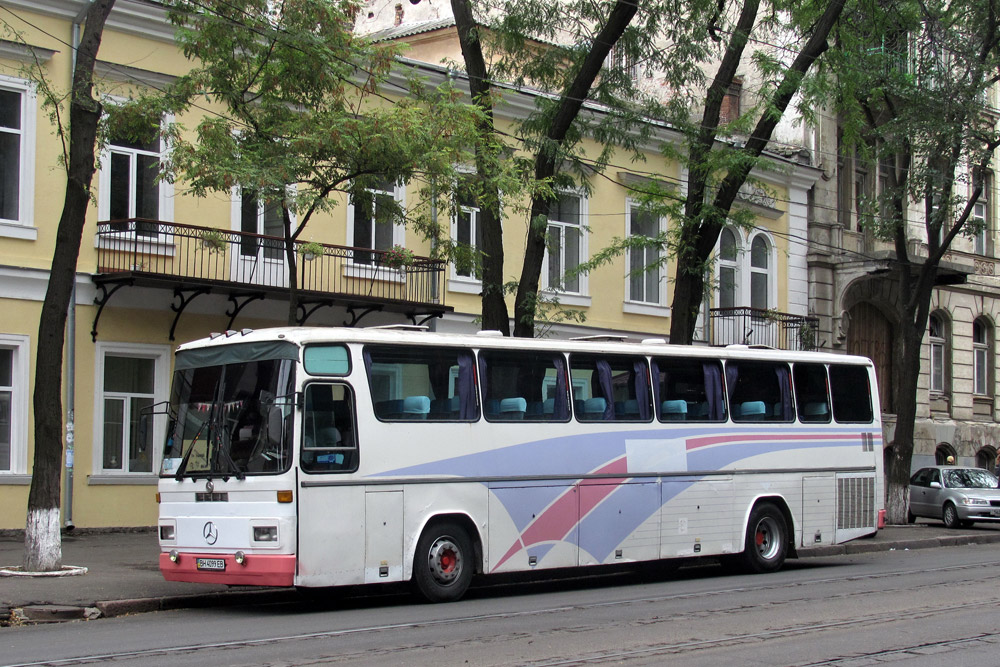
(966,500)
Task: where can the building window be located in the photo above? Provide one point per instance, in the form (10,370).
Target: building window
(981,357)
(760,254)
(261,218)
(565,245)
(466,229)
(130,379)
(938,354)
(17,112)
(645,263)
(624,62)
(13,404)
(373,225)
(730,109)
(728,269)
(981,218)
(132,190)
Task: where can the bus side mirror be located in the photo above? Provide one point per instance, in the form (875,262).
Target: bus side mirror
(275,424)
(144,433)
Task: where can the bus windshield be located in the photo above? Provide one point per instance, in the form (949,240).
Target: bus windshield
(231,420)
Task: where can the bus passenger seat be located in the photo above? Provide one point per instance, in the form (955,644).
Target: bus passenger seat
(416,407)
(815,412)
(752,411)
(513,408)
(675,410)
(593,408)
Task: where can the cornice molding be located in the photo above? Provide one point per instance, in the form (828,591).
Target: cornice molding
(25,53)
(144,18)
(134,75)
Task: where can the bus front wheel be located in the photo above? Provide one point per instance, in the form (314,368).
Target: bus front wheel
(766,541)
(443,566)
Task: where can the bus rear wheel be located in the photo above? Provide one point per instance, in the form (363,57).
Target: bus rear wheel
(443,566)
(766,541)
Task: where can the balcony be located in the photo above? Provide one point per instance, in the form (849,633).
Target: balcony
(756,326)
(193,261)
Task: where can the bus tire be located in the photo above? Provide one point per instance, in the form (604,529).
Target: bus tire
(766,542)
(444,562)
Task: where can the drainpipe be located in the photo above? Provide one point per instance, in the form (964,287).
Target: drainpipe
(71,331)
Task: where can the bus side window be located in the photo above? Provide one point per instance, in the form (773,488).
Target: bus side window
(329,440)
(686,389)
(851,393)
(759,391)
(610,388)
(421,383)
(810,392)
(523,386)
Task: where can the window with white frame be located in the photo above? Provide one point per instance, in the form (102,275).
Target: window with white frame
(130,378)
(129,187)
(372,225)
(937,335)
(466,230)
(565,246)
(760,260)
(264,218)
(17,111)
(981,357)
(13,404)
(981,217)
(729,269)
(644,263)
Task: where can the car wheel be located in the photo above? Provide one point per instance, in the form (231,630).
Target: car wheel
(950,516)
(766,540)
(444,562)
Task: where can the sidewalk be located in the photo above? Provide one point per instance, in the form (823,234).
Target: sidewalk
(123,576)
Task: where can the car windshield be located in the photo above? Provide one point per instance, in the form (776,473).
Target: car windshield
(969,478)
(230,420)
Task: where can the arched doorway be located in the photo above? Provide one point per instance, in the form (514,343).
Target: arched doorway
(986,458)
(871,335)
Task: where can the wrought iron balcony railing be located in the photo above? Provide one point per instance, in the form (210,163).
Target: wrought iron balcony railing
(220,257)
(755,326)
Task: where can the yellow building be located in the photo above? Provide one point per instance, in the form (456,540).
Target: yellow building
(158,266)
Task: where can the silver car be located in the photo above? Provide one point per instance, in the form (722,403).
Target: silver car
(956,495)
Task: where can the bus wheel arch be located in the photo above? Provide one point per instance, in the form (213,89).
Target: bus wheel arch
(448,554)
(768,537)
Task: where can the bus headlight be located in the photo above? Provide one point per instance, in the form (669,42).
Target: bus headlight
(265,533)
(167,533)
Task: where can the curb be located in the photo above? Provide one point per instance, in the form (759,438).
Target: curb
(863,547)
(112,608)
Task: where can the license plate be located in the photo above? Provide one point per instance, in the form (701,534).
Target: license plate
(210,564)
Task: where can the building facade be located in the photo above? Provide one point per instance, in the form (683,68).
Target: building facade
(159,266)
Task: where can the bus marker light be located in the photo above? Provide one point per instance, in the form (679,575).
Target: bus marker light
(240,557)
(284,496)
(174,556)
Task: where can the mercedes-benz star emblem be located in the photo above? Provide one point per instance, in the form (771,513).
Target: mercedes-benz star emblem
(211,532)
(209,486)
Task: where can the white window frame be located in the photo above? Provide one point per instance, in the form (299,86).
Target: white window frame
(769,272)
(165,189)
(160,354)
(981,212)
(938,355)
(21,388)
(580,296)
(458,282)
(22,226)
(359,270)
(735,264)
(632,305)
(981,366)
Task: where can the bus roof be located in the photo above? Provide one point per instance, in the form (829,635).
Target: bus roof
(489,340)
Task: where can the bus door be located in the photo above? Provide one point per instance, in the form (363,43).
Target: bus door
(331,537)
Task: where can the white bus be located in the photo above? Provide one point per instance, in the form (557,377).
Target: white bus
(325,457)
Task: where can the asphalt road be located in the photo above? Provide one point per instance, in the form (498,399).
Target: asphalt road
(907,607)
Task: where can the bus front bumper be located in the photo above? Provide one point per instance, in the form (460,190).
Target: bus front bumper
(255,570)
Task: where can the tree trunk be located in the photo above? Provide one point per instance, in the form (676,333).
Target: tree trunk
(293,270)
(494,306)
(904,386)
(42,543)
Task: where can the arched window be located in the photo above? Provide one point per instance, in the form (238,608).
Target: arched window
(941,454)
(982,359)
(729,273)
(759,264)
(938,338)
(986,458)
